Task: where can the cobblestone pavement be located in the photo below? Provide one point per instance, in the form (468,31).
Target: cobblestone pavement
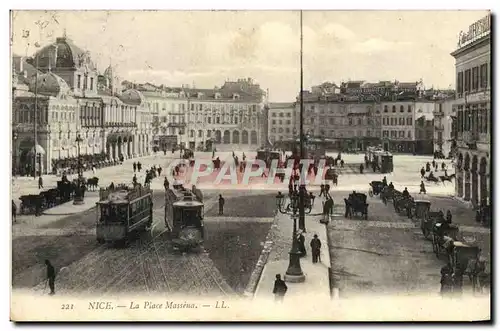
(233,246)
(387,253)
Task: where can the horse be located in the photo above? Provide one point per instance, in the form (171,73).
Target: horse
(447,178)
(431,179)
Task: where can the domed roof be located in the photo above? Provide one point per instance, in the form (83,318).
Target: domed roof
(132,97)
(49,84)
(67,54)
(108,72)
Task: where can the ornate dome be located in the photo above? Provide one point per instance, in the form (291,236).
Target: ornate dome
(108,73)
(63,54)
(132,97)
(49,84)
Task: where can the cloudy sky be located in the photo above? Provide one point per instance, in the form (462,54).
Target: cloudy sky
(207,48)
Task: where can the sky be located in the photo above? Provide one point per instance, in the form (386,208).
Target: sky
(206,48)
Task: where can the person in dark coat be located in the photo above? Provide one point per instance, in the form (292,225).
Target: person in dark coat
(14,211)
(384,181)
(40,182)
(221,205)
(443,166)
(428,167)
(280,289)
(422,188)
(422,172)
(302,244)
(159,171)
(139,166)
(449,217)
(406,194)
(327,208)
(361,168)
(315,248)
(322,190)
(51,277)
(134,179)
(327,190)
(341,163)
(134,166)
(166,184)
(391,186)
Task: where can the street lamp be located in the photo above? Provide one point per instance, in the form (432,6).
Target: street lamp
(14,150)
(181,132)
(79,191)
(293,208)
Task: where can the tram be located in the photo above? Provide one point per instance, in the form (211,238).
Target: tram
(379,159)
(122,211)
(184,219)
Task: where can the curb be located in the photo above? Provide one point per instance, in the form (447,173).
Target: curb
(258,270)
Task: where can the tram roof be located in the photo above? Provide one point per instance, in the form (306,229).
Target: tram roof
(188,204)
(122,194)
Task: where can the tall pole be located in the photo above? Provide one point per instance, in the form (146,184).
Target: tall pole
(302,217)
(35,138)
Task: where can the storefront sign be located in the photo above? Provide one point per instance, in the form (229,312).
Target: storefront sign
(476,31)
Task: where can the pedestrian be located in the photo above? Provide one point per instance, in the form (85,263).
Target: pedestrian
(327,191)
(302,244)
(134,179)
(280,289)
(341,163)
(361,168)
(213,153)
(443,166)
(40,182)
(134,166)
(139,166)
(422,188)
(221,205)
(406,194)
(384,181)
(159,171)
(322,190)
(449,217)
(315,248)
(14,211)
(51,277)
(166,184)
(422,172)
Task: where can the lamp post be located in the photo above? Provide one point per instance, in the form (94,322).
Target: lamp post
(294,272)
(14,150)
(181,132)
(79,191)
(301,197)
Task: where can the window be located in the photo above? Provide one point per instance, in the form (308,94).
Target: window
(475,78)
(281,122)
(273,130)
(350,121)
(274,122)
(288,122)
(288,115)
(312,120)
(368,133)
(281,115)
(409,121)
(392,121)
(360,121)
(460,82)
(401,134)
(384,120)
(273,114)
(467,81)
(386,109)
(78,81)
(331,121)
(401,109)
(287,130)
(409,108)
(280,130)
(217,120)
(209,120)
(385,133)
(360,133)
(394,134)
(409,134)
(200,133)
(191,133)
(483,76)
(401,121)
(92,83)
(393,109)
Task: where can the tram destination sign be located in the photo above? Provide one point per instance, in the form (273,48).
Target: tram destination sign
(476,31)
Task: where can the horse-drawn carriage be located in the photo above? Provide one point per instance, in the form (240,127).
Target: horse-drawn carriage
(444,235)
(465,260)
(376,188)
(356,204)
(429,220)
(332,175)
(404,204)
(188,154)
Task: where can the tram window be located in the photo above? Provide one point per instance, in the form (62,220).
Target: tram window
(192,217)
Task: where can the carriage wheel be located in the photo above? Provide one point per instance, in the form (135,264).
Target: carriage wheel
(370,193)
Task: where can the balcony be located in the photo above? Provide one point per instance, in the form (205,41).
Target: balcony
(176,125)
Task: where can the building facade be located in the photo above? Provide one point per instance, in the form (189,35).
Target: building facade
(473,109)
(281,121)
(71,100)
(445,128)
(232,116)
(396,115)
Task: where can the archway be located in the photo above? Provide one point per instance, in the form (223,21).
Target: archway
(236,137)
(218,137)
(460,175)
(475,182)
(253,138)
(244,137)
(483,184)
(227,137)
(467,177)
(25,164)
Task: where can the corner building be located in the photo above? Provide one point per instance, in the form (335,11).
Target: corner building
(473,109)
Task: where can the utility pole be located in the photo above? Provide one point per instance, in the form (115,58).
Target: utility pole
(302,216)
(35,119)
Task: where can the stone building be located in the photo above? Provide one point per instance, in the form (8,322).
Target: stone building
(281,121)
(473,108)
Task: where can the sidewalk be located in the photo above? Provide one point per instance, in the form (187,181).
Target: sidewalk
(317,283)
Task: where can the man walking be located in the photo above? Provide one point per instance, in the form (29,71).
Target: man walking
(315,248)
(14,211)
(221,205)
(280,289)
(134,166)
(51,277)
(40,182)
